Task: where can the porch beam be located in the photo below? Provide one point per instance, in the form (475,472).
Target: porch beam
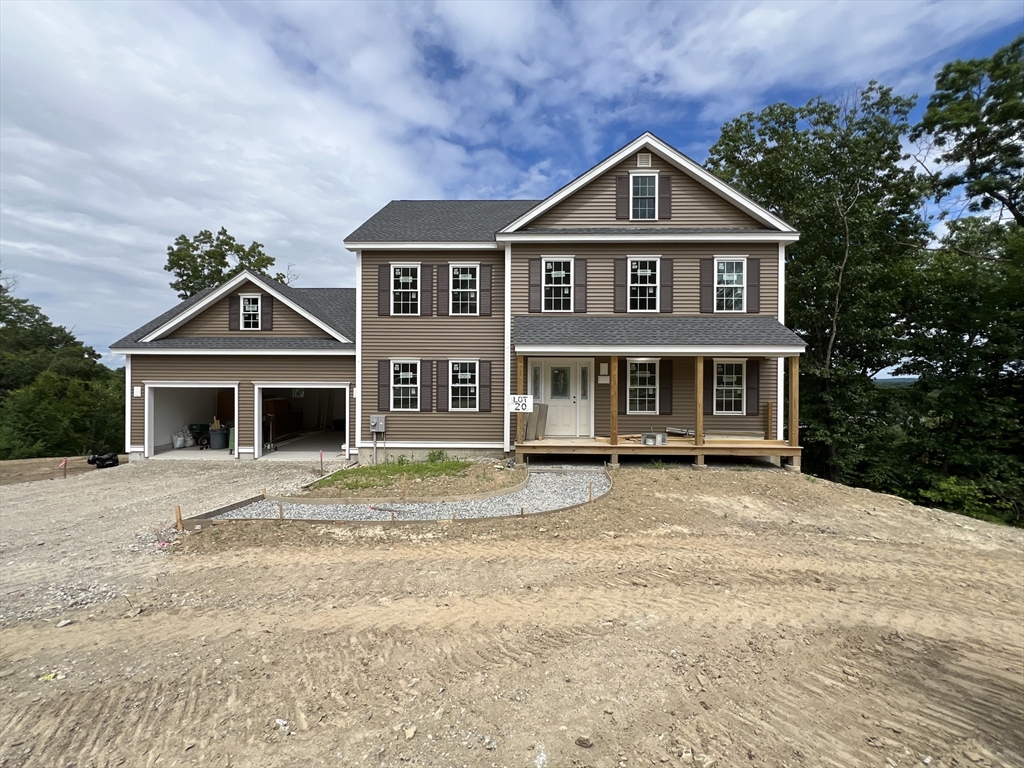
(615,401)
(794,411)
(698,389)
(520,365)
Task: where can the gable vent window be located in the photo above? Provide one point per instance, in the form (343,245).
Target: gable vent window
(643,160)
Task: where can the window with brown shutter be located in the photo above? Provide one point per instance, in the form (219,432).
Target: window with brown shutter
(753,286)
(622,197)
(485,386)
(664,197)
(707,285)
(667,275)
(753,374)
(383,385)
(534,275)
(267,312)
(426,380)
(234,313)
(665,387)
(443,371)
(619,274)
(486,289)
(443,296)
(580,286)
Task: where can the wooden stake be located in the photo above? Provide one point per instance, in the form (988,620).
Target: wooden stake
(264,493)
(405,483)
(453,515)
(280,511)
(178,524)
(392,517)
(591,490)
(65,465)
(522,511)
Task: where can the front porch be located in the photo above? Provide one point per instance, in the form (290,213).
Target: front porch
(630,445)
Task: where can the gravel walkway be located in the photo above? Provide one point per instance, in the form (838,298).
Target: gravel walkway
(544,491)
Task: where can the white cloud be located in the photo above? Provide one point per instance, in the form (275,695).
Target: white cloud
(124,125)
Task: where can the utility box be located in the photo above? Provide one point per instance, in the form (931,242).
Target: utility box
(378,423)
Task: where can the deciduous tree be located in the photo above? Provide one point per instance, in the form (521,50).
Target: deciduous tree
(207,260)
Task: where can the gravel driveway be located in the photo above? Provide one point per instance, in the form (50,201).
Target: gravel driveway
(70,543)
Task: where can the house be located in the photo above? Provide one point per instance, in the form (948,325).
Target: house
(643,295)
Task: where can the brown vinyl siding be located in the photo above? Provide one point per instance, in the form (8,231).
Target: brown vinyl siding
(693,205)
(244,369)
(434,338)
(685,282)
(213,321)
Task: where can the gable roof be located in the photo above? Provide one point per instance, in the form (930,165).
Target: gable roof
(439,221)
(690,167)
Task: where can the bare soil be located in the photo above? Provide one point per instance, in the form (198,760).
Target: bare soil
(478,477)
(688,618)
(27,470)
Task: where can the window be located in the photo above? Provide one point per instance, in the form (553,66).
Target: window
(643,285)
(729,387)
(730,280)
(535,390)
(464,289)
(405,385)
(558,285)
(250,313)
(642,392)
(405,289)
(462,387)
(643,196)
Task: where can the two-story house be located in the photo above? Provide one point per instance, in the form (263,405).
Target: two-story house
(644,296)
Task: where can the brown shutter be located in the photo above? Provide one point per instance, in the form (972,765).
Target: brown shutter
(534,285)
(665,285)
(753,286)
(426,290)
(619,270)
(383,385)
(623,385)
(664,198)
(383,290)
(234,313)
(426,382)
(579,278)
(444,371)
(665,386)
(444,276)
(484,386)
(622,197)
(267,312)
(753,384)
(707,285)
(484,289)
(709,387)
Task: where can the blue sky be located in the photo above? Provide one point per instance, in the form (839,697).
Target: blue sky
(123,125)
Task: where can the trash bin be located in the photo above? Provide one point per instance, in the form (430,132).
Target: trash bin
(218,439)
(231,439)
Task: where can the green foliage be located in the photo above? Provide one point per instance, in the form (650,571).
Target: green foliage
(435,456)
(384,475)
(976,115)
(402,460)
(207,260)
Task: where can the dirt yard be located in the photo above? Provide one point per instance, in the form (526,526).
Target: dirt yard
(26,470)
(689,618)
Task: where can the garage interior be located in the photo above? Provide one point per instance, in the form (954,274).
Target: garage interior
(299,423)
(195,408)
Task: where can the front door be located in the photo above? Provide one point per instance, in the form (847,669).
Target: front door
(566,387)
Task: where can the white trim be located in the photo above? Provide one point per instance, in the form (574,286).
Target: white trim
(128,403)
(137,449)
(660,350)
(451,291)
(410,245)
(249,352)
(292,384)
(507,387)
(433,444)
(657,385)
(644,172)
(576,363)
(246,449)
(185,383)
(358,434)
(714,385)
(241,311)
(149,391)
(782,284)
(257,409)
(224,290)
(572,284)
(655,237)
(676,158)
(476,376)
(419,288)
(714,284)
(657,285)
(779,401)
(391,384)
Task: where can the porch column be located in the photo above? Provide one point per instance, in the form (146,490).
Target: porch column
(794,410)
(615,401)
(519,391)
(698,389)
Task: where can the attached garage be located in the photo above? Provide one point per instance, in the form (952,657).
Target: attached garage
(298,419)
(175,407)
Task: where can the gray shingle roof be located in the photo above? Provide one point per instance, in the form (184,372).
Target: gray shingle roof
(440,221)
(636,331)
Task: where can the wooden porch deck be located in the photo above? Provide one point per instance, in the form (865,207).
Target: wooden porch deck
(676,446)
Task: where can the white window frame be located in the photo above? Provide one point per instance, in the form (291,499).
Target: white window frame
(742,361)
(242,313)
(419,288)
(657,282)
(451,290)
(644,172)
(451,386)
(572,282)
(419,383)
(715,284)
(657,385)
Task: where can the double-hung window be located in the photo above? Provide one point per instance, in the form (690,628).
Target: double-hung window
(643,284)
(643,196)
(464,287)
(405,385)
(557,285)
(405,289)
(729,387)
(730,284)
(250,306)
(642,387)
(463,385)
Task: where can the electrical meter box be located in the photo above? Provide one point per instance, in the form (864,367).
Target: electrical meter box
(377,423)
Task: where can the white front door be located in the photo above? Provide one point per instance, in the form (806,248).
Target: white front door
(566,386)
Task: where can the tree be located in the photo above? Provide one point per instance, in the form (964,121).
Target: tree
(207,260)
(976,115)
(833,170)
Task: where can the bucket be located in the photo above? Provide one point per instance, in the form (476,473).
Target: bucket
(218,439)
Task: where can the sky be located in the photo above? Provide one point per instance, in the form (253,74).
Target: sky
(123,125)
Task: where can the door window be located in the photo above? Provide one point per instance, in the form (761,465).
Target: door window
(560,388)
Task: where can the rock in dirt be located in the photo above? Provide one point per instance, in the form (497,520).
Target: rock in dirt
(410,732)
(583,741)
(64,623)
